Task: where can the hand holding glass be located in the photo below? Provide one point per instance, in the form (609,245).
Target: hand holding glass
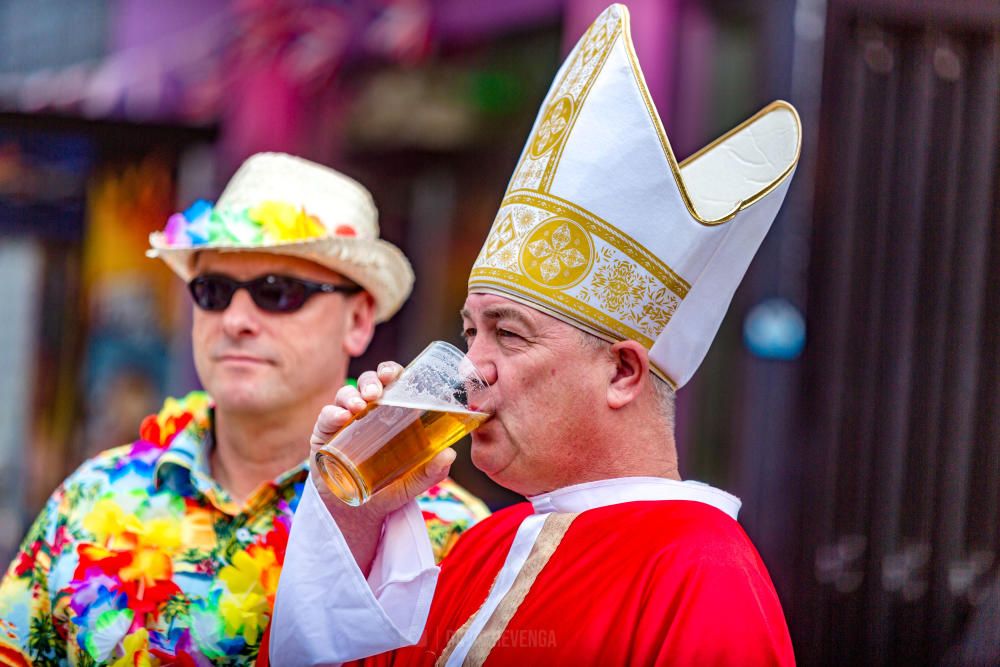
(439,398)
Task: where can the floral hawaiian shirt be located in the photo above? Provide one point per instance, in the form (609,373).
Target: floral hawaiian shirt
(140,558)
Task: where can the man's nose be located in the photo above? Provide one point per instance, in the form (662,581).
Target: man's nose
(241,317)
(483,361)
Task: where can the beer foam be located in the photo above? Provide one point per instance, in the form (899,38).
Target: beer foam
(443,406)
(441,378)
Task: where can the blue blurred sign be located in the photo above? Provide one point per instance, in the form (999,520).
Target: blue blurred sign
(775,329)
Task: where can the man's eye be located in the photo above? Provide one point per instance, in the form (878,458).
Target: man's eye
(503,333)
(469,333)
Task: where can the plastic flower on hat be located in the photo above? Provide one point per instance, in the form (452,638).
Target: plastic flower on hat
(231,228)
(191,226)
(283,222)
(268,222)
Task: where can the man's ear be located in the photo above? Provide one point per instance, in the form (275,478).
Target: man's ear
(360,314)
(631,373)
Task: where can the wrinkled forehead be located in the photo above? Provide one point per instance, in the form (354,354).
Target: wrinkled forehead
(488,306)
(247,264)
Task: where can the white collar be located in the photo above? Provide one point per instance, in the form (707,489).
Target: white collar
(591,495)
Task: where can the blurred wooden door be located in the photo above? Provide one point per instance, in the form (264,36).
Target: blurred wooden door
(899,445)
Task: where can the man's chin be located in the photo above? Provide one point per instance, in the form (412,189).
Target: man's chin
(241,399)
(486,455)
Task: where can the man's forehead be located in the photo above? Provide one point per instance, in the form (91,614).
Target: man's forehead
(495,307)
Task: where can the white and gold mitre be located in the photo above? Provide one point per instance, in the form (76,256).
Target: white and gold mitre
(601,227)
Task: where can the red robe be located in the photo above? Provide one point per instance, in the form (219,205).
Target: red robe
(640,583)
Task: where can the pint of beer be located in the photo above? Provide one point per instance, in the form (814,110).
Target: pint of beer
(439,398)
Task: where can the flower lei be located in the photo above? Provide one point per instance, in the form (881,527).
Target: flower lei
(176,415)
(268,223)
(125,576)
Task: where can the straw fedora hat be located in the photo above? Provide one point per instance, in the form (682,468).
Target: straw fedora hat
(286,205)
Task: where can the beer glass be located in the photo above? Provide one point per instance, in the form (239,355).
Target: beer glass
(439,398)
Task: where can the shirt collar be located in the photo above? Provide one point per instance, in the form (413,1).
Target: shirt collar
(602,493)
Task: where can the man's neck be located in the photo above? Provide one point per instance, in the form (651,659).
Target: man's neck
(252,449)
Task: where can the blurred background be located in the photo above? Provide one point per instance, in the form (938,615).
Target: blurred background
(852,398)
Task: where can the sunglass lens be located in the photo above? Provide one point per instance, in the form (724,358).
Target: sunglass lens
(278,294)
(212,292)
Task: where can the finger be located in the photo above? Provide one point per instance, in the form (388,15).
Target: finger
(369,386)
(330,420)
(388,372)
(349,398)
(431,473)
(438,468)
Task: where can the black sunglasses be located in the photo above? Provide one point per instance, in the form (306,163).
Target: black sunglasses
(273,293)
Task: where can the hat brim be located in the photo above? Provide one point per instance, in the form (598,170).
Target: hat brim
(376,265)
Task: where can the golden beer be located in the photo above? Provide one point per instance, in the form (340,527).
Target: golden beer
(387,440)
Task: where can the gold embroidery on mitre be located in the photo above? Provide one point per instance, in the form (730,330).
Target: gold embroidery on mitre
(622,289)
(596,42)
(558,253)
(502,246)
(615,284)
(554,124)
(537,166)
(500,236)
(533,206)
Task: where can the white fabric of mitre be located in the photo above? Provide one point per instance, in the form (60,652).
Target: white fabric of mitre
(683,344)
(631,186)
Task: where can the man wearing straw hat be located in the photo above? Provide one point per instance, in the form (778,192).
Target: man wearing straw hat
(168,550)
(601,284)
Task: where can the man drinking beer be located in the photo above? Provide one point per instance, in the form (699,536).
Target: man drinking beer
(600,286)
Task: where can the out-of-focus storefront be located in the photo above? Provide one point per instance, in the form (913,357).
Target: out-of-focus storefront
(153,105)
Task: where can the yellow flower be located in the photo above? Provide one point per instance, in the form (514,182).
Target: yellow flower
(249,571)
(251,582)
(136,647)
(148,565)
(112,526)
(245,614)
(161,534)
(283,222)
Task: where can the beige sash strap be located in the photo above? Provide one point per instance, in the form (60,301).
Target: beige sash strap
(457,637)
(548,540)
